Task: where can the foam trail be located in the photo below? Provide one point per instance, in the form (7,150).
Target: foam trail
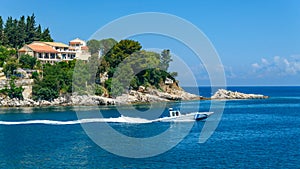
(122,119)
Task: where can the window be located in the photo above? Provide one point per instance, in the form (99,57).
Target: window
(52,55)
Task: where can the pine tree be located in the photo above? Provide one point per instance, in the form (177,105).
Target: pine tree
(1,31)
(38,34)
(30,28)
(8,32)
(46,36)
(21,32)
(15,35)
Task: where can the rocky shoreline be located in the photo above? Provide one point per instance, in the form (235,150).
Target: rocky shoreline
(131,97)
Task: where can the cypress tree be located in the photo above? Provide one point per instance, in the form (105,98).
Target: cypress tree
(8,32)
(46,36)
(21,32)
(30,28)
(38,34)
(15,33)
(1,31)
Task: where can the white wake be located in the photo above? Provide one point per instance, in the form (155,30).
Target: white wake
(123,119)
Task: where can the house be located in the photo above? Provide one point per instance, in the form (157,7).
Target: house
(51,52)
(79,46)
(169,81)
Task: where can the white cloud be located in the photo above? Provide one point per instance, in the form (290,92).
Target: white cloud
(277,66)
(264,61)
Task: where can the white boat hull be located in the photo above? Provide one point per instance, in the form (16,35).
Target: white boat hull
(183,118)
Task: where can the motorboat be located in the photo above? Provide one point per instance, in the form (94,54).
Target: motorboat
(175,115)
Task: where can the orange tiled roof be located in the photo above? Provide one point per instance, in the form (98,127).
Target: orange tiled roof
(22,50)
(73,43)
(56,44)
(84,48)
(42,48)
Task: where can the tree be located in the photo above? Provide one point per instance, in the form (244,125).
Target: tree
(118,53)
(1,31)
(102,46)
(38,33)
(80,78)
(27,61)
(45,94)
(13,91)
(46,36)
(165,59)
(21,32)
(30,28)
(8,32)
(6,55)
(106,45)
(9,68)
(94,46)
(15,33)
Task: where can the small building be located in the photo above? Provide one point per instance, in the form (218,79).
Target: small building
(63,50)
(169,81)
(42,51)
(79,46)
(51,52)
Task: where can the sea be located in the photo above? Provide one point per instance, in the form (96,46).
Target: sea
(262,133)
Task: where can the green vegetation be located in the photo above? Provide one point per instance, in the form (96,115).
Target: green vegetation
(27,61)
(130,67)
(55,80)
(6,55)
(15,33)
(124,63)
(105,45)
(12,91)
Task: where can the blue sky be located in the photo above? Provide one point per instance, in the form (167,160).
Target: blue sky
(257,41)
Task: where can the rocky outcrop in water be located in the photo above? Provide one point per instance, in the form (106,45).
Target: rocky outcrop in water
(154,95)
(226,94)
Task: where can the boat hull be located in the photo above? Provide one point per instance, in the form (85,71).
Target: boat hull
(190,117)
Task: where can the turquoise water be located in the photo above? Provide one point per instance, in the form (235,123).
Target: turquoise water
(251,134)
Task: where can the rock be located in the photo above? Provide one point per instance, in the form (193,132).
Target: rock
(44,103)
(226,94)
(154,95)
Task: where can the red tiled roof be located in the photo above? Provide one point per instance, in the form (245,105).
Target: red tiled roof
(42,48)
(84,48)
(73,43)
(22,50)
